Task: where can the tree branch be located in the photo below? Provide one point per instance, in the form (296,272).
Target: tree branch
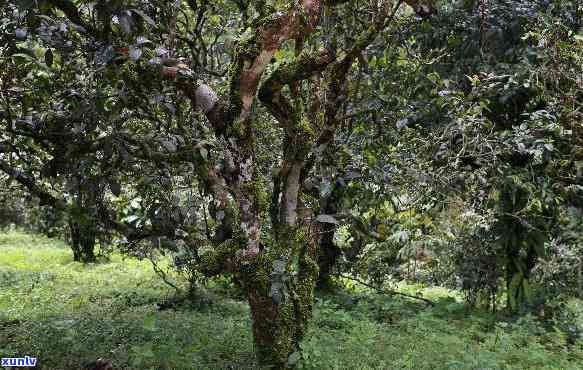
(385,291)
(29,182)
(301,68)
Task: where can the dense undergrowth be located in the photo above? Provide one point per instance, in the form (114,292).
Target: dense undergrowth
(69,314)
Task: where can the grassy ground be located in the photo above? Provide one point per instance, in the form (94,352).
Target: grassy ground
(68,314)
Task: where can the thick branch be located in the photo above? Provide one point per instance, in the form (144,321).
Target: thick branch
(30,183)
(203,97)
(305,66)
(336,92)
(254,54)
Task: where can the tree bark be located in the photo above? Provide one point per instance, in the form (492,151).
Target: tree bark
(279,283)
(327,257)
(83,226)
(281,302)
(328,250)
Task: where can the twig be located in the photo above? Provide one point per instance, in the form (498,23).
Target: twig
(390,292)
(162,274)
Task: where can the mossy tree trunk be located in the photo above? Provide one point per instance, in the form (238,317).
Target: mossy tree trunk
(279,282)
(281,295)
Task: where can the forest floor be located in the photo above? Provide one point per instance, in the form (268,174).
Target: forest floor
(68,314)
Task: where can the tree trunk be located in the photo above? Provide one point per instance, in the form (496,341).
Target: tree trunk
(278,327)
(518,268)
(74,243)
(88,244)
(328,251)
(82,241)
(512,295)
(327,257)
(281,302)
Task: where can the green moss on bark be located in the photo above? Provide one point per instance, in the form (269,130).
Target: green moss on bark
(279,324)
(255,189)
(218,260)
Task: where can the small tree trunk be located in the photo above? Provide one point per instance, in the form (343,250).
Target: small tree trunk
(74,243)
(82,241)
(516,291)
(328,251)
(512,295)
(328,256)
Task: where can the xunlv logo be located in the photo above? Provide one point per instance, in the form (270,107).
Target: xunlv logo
(19,362)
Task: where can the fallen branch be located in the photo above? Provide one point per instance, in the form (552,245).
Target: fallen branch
(390,292)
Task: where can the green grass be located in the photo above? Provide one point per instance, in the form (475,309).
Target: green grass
(68,314)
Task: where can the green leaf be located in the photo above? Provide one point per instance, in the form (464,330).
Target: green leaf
(24,56)
(132,218)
